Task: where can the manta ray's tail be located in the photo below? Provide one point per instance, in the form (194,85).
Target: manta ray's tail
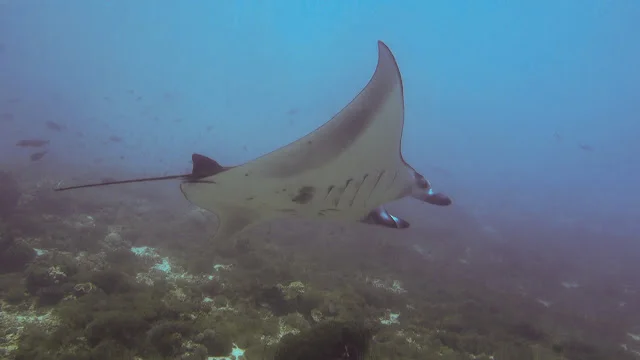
(202,167)
(116,182)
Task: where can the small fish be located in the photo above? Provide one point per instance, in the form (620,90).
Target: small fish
(54,126)
(292,111)
(586,147)
(557,136)
(32,143)
(114,138)
(37,156)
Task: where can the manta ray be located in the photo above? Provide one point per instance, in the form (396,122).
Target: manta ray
(345,170)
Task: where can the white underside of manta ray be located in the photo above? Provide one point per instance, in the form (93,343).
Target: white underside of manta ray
(345,170)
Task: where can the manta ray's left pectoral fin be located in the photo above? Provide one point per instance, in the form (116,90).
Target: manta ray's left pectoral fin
(380,216)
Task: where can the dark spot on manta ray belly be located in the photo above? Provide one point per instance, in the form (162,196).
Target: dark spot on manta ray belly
(305,194)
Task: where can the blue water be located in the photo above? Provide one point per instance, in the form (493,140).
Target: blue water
(500,95)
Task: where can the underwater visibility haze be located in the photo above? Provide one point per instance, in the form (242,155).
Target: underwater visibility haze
(286,158)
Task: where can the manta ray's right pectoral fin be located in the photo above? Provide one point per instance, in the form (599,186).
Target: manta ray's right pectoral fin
(434,198)
(380,216)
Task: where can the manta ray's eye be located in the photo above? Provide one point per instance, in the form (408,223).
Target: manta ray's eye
(421,182)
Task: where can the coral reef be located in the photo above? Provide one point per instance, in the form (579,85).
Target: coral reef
(330,340)
(14,254)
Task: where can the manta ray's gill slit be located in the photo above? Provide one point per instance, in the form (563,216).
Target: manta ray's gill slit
(200,181)
(358,187)
(375,185)
(329,189)
(342,191)
(395,176)
(324,211)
